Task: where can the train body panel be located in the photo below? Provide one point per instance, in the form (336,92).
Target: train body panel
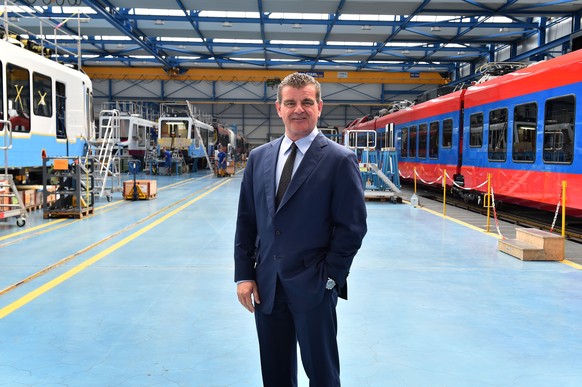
(49,106)
(519,128)
(181,133)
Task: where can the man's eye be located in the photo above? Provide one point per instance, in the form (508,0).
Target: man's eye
(289,104)
(308,103)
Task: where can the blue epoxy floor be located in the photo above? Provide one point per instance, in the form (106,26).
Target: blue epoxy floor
(146,298)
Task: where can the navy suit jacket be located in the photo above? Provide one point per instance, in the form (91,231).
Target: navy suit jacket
(314,234)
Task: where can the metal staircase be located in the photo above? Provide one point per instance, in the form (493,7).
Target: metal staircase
(103,149)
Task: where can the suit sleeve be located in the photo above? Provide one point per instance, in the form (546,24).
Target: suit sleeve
(246,228)
(348,210)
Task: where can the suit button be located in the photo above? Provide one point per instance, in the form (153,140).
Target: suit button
(277,232)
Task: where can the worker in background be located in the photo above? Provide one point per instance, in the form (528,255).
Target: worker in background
(221,161)
(167,155)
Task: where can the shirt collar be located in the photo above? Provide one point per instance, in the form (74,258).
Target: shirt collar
(303,143)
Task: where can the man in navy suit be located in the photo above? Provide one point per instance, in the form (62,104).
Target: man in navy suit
(294,246)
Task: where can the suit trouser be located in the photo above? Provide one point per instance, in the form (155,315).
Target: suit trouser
(316,333)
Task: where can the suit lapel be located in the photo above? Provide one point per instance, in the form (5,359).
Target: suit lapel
(270,171)
(308,164)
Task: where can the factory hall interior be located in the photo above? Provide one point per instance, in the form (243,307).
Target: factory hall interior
(188,187)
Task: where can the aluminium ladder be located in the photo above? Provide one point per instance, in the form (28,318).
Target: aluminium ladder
(104,151)
(11,204)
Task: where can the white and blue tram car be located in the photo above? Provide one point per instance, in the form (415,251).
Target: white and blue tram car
(49,107)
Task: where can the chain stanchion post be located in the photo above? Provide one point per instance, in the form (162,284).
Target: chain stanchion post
(564,185)
(415,180)
(445,192)
(488,202)
(414,198)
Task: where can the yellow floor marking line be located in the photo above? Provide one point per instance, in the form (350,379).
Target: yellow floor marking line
(96,258)
(565,261)
(105,207)
(572,264)
(29,230)
(93,245)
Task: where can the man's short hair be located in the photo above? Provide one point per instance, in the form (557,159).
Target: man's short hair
(299,80)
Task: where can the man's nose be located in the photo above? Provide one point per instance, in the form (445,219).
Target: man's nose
(298,108)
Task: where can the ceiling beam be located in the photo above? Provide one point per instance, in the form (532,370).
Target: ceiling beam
(226,75)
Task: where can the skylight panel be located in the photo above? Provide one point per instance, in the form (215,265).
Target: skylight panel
(238,41)
(334,43)
(233,14)
(157,12)
(364,17)
(296,42)
(178,39)
(302,16)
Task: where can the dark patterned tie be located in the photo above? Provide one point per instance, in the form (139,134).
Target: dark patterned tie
(286,174)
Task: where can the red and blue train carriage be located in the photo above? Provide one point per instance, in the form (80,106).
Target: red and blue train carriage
(520,128)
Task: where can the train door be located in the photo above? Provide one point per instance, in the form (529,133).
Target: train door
(61,110)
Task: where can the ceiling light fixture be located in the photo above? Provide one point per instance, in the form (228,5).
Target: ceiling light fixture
(159,22)
(349,50)
(435,28)
(227,24)
(297,26)
(405,52)
(366,27)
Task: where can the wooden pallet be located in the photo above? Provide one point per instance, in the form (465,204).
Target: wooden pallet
(381,196)
(74,213)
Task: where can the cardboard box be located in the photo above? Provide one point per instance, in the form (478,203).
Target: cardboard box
(148,187)
(28,197)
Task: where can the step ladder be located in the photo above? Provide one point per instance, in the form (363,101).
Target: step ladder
(11,204)
(105,153)
(531,244)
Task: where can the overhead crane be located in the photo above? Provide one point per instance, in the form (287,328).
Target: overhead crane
(226,75)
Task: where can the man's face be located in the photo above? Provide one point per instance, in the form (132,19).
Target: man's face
(299,110)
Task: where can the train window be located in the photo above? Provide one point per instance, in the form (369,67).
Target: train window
(124,128)
(42,95)
(413,141)
(196,140)
(89,113)
(559,129)
(433,140)
(174,129)
(61,100)
(404,143)
(141,136)
(525,118)
(476,130)
(18,90)
(497,147)
(448,133)
(422,136)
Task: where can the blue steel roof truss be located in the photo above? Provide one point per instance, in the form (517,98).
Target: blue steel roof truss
(425,50)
